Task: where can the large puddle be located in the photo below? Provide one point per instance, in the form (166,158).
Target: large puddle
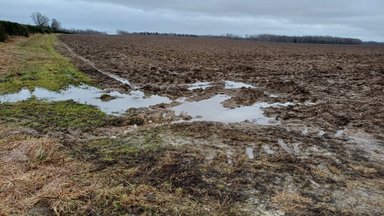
(227,85)
(236,85)
(212,110)
(118,103)
(91,96)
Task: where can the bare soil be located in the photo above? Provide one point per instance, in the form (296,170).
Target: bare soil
(325,157)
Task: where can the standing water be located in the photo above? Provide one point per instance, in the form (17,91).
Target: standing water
(211,109)
(91,96)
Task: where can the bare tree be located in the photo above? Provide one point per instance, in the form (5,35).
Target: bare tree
(40,20)
(55,25)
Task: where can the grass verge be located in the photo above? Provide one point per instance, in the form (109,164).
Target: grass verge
(38,65)
(34,62)
(45,117)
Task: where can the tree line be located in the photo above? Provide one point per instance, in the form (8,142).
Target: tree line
(85,32)
(42,25)
(264,38)
(270,38)
(122,32)
(304,39)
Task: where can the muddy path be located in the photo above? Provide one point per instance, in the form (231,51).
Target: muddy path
(323,156)
(103,78)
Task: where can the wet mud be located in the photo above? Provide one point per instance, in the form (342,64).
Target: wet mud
(319,154)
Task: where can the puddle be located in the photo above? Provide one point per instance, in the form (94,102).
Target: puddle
(206,110)
(117,78)
(372,147)
(91,96)
(229,157)
(22,95)
(199,85)
(274,96)
(249,153)
(268,150)
(237,85)
(227,85)
(213,110)
(284,146)
(305,130)
(296,148)
(339,133)
(320,133)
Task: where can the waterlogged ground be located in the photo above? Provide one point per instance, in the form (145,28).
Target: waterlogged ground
(116,103)
(186,126)
(112,103)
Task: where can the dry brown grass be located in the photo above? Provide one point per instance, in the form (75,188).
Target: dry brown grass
(37,173)
(33,170)
(363,169)
(290,201)
(9,55)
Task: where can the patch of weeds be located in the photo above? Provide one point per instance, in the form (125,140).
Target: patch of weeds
(44,116)
(107,97)
(133,117)
(134,150)
(40,65)
(134,120)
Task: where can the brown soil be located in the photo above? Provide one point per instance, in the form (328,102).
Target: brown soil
(345,82)
(325,158)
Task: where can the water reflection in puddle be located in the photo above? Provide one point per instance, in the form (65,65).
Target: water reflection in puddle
(199,85)
(118,78)
(213,110)
(227,85)
(206,110)
(91,96)
(22,95)
(249,153)
(268,150)
(236,85)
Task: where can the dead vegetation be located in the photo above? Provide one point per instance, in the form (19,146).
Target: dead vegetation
(9,56)
(37,174)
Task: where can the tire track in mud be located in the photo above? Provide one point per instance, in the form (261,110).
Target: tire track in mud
(119,79)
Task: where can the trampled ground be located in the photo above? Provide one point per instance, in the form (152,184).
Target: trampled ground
(321,153)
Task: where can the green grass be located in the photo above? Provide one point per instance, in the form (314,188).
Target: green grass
(40,65)
(44,116)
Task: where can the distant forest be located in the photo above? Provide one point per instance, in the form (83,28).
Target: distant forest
(304,39)
(122,32)
(85,32)
(42,26)
(265,38)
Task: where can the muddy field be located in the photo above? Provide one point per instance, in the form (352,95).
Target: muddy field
(345,82)
(200,126)
(325,155)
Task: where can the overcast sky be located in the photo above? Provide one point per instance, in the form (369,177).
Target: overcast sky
(362,19)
